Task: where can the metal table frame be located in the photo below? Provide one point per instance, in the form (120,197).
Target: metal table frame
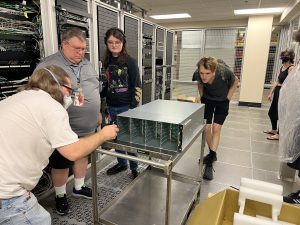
(167,166)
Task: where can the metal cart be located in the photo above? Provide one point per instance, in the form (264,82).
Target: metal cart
(153,198)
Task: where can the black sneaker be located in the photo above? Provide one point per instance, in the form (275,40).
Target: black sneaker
(134,173)
(292,198)
(206,158)
(62,205)
(116,169)
(84,192)
(208,172)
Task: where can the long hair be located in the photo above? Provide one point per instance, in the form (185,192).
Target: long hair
(124,54)
(43,80)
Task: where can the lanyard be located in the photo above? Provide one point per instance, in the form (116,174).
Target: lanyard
(76,71)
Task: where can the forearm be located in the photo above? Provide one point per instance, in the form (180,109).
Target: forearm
(83,147)
(200,89)
(232,89)
(86,145)
(273,87)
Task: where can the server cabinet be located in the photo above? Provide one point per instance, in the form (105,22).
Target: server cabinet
(20,44)
(106,19)
(131,30)
(159,62)
(73,13)
(147,62)
(169,61)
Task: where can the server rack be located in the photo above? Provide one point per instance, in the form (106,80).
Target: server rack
(131,30)
(169,62)
(159,63)
(147,61)
(20,44)
(107,17)
(73,13)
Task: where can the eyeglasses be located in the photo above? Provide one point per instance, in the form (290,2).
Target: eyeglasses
(76,48)
(114,42)
(68,87)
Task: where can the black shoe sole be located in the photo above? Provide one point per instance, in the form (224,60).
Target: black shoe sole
(62,213)
(80,196)
(115,171)
(208,178)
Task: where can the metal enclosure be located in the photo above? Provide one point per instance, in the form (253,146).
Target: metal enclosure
(106,19)
(73,13)
(147,62)
(131,29)
(169,60)
(161,125)
(159,62)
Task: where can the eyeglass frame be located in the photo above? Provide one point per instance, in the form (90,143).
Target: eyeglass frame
(76,49)
(68,87)
(117,43)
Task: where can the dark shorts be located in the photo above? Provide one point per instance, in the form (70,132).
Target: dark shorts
(215,111)
(57,161)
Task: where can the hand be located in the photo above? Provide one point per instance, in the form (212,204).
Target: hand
(270,97)
(138,94)
(109,132)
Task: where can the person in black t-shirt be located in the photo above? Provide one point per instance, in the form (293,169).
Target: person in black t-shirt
(216,85)
(123,86)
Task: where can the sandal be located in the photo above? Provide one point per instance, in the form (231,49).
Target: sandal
(273,137)
(269,132)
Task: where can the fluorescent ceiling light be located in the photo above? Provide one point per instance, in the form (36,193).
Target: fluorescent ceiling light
(171,16)
(258,11)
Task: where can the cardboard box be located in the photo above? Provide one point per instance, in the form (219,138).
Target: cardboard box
(184,98)
(220,208)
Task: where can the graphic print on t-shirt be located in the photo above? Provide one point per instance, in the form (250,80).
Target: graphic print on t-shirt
(117,78)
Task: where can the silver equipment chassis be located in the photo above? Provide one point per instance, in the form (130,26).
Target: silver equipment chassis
(142,202)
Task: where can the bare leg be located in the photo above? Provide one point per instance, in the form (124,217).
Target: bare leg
(216,134)
(80,167)
(208,134)
(59,176)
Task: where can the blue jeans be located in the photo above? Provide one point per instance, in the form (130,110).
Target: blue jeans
(113,112)
(24,209)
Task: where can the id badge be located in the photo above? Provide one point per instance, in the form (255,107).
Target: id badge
(78,97)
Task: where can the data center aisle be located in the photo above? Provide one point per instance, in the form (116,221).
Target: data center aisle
(244,151)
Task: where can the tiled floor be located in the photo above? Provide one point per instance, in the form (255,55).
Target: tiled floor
(244,151)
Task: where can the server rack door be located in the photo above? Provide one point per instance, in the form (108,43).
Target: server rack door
(159,62)
(169,59)
(147,62)
(131,26)
(106,19)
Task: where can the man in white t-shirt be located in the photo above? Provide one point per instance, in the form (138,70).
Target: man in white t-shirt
(34,122)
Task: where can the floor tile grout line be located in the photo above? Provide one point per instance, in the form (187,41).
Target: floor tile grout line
(265,154)
(237,149)
(274,143)
(251,158)
(230,164)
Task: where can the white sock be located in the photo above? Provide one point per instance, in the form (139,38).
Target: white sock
(78,183)
(60,190)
